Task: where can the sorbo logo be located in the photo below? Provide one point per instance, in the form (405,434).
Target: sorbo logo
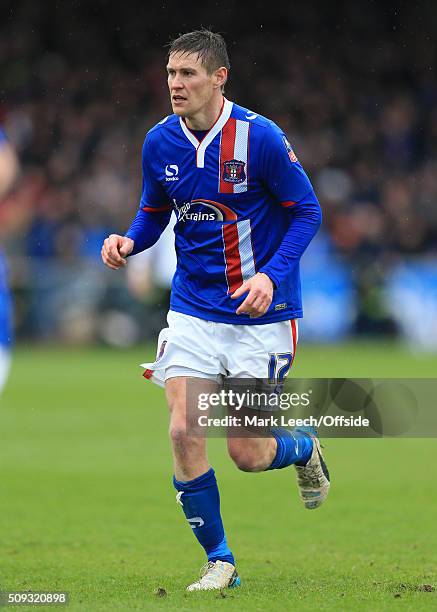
(171,172)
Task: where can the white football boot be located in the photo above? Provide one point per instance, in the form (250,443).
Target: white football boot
(216,575)
(313,478)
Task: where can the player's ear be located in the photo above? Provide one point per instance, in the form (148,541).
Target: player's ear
(220,77)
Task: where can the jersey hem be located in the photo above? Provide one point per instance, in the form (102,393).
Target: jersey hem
(236,319)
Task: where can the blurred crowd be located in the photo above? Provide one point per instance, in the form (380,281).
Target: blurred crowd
(355,89)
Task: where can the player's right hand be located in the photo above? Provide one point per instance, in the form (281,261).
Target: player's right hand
(114,250)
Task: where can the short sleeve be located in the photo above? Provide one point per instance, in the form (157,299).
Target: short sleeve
(153,196)
(281,171)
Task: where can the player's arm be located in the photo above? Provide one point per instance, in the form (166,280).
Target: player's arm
(8,165)
(291,187)
(305,220)
(150,221)
(288,182)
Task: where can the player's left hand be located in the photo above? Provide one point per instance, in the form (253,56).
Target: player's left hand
(257,302)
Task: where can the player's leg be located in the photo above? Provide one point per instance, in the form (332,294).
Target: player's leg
(271,355)
(256,357)
(196,484)
(189,452)
(300,447)
(279,450)
(186,356)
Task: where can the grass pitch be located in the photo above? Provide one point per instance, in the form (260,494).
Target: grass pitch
(87,505)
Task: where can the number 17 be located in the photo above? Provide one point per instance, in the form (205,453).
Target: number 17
(279,366)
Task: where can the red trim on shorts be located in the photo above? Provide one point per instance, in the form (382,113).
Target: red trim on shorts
(294,337)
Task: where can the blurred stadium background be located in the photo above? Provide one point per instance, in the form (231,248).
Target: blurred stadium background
(355,89)
(85,463)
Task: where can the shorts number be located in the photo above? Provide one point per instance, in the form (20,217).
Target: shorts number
(279,366)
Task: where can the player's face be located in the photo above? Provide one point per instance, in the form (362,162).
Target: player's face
(191,87)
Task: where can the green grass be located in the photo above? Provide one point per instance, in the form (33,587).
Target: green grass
(87,505)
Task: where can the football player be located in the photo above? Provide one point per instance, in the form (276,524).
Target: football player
(245,213)
(8,174)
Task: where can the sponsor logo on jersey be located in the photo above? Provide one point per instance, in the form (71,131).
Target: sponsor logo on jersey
(185,212)
(290,151)
(171,172)
(234,171)
(281,306)
(202,210)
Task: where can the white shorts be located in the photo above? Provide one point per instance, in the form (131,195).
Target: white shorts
(190,346)
(5,365)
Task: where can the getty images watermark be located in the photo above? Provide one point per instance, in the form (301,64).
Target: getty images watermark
(262,401)
(335,407)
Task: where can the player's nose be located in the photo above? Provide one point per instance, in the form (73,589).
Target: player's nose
(176,83)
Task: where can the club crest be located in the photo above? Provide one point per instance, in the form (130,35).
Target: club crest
(233,171)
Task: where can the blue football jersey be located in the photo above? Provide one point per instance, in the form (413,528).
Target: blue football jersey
(232,193)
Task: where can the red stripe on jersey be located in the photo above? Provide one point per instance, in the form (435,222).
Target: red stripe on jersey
(232,255)
(227,146)
(158,209)
(287,204)
(294,336)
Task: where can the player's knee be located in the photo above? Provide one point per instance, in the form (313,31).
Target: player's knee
(178,434)
(181,439)
(245,459)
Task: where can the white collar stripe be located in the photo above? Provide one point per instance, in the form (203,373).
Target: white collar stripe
(189,134)
(216,128)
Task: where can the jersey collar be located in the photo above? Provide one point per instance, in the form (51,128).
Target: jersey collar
(209,137)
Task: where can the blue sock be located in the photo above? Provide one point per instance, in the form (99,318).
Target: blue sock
(293,447)
(200,501)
